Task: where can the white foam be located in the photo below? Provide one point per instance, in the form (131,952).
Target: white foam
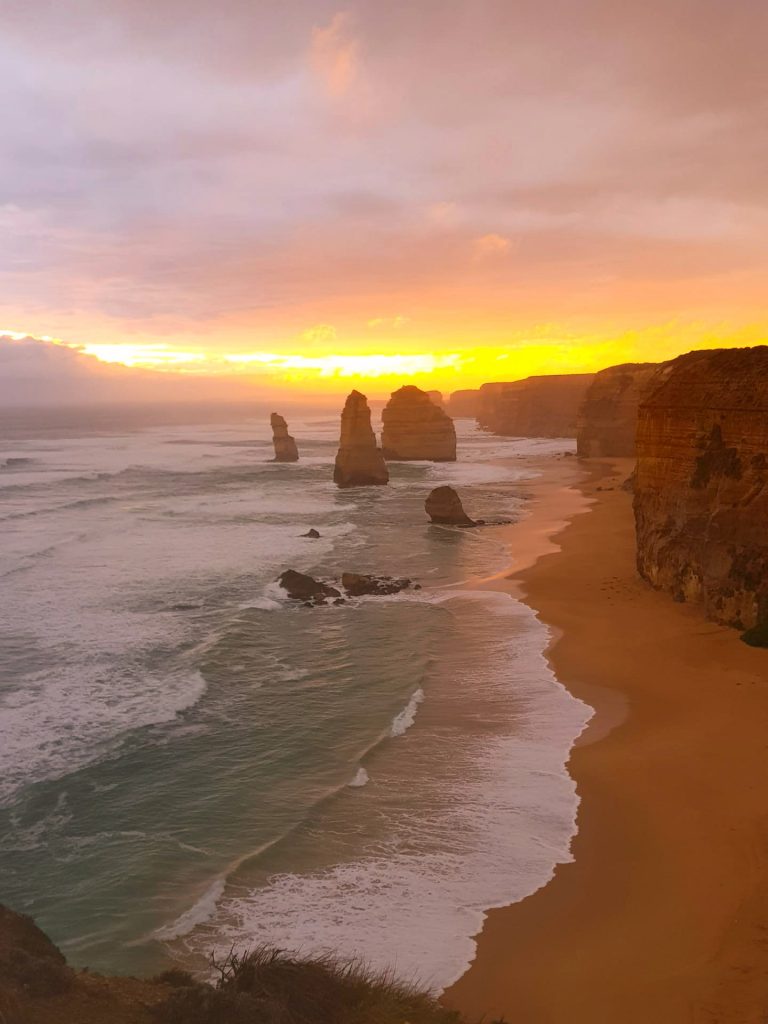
(361,779)
(414,899)
(405,719)
(197,914)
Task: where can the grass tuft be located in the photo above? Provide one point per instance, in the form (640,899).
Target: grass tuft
(269,986)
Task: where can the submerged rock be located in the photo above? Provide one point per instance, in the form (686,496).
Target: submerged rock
(285,445)
(359,462)
(356,584)
(314,534)
(301,587)
(416,427)
(443,505)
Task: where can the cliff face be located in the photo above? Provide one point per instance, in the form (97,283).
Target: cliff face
(359,462)
(607,419)
(534,407)
(701,490)
(285,445)
(464,403)
(415,428)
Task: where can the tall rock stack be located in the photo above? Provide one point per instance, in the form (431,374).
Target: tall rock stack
(607,420)
(359,462)
(285,445)
(701,490)
(415,428)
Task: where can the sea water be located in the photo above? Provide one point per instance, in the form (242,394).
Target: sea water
(188,760)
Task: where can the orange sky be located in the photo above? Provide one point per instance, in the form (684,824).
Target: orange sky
(302,195)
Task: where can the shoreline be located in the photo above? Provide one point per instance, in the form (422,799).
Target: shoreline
(661,916)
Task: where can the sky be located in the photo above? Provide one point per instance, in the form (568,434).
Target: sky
(299,194)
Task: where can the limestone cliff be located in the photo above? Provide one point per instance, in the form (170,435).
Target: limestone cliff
(415,428)
(701,488)
(607,420)
(464,403)
(359,462)
(285,445)
(535,407)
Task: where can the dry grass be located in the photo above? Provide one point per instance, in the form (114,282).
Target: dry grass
(268,986)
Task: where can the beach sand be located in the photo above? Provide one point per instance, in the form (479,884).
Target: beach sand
(662,918)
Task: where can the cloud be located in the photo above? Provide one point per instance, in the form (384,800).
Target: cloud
(319,334)
(172,170)
(334,54)
(392,321)
(489,246)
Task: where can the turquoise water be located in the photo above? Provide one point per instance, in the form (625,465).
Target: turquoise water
(188,760)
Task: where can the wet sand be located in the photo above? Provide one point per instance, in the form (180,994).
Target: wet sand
(662,918)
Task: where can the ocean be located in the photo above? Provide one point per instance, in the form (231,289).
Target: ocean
(188,761)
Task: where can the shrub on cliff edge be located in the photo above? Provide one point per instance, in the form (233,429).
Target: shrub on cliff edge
(268,986)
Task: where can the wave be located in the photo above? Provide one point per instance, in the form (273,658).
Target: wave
(197,914)
(405,719)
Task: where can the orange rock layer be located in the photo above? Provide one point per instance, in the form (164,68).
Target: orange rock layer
(701,491)
(415,428)
(607,420)
(534,407)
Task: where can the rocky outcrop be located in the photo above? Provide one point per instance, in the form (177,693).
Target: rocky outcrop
(464,403)
(701,484)
(359,462)
(535,407)
(300,587)
(607,420)
(358,585)
(487,402)
(415,428)
(443,505)
(285,445)
(436,397)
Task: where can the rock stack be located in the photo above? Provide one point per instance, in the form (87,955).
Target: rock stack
(701,484)
(607,421)
(285,445)
(414,427)
(443,506)
(359,462)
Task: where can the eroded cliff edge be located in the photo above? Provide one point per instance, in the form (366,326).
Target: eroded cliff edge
(701,490)
(544,406)
(607,420)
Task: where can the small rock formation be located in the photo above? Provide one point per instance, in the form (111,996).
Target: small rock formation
(436,397)
(535,407)
(357,585)
(301,587)
(415,428)
(607,420)
(359,462)
(443,505)
(313,533)
(701,484)
(464,403)
(285,445)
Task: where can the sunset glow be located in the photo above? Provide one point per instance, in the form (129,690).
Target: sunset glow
(344,195)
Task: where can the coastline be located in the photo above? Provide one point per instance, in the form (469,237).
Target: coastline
(662,914)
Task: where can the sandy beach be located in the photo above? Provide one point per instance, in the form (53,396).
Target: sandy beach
(662,917)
